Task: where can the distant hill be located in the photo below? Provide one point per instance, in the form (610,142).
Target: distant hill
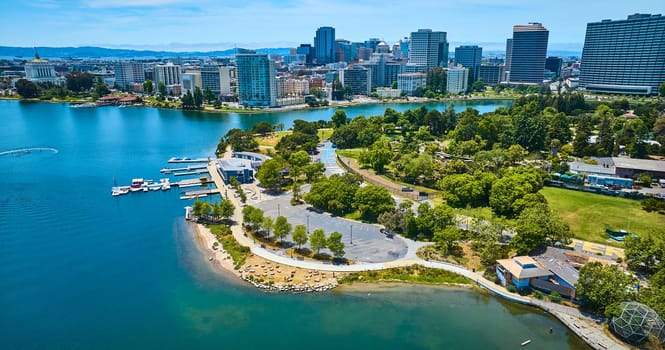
(101,52)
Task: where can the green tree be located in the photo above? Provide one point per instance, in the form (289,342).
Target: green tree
(209,95)
(161,88)
(645,253)
(267,225)
(148,87)
(339,118)
(252,217)
(270,174)
(394,221)
(188,101)
(282,227)
(26,88)
(335,244)
(79,81)
(445,239)
(537,226)
(600,286)
(262,128)
(373,200)
(198,97)
(661,89)
(226,208)
(436,80)
(300,235)
(317,240)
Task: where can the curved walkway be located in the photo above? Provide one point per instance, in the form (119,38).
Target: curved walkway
(586,326)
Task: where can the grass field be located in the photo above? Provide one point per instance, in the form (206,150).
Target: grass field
(589,213)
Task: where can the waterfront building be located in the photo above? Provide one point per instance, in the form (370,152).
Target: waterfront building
(469,56)
(190,81)
(324,45)
(624,56)
(457,80)
(239,168)
(358,78)
(257,83)
(548,275)
(217,78)
(490,74)
(554,65)
(128,72)
(410,82)
(385,92)
(168,74)
(527,53)
(428,48)
(39,70)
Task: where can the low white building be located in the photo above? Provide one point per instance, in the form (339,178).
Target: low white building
(388,92)
(410,82)
(39,70)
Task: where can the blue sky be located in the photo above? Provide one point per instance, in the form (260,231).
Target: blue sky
(221,24)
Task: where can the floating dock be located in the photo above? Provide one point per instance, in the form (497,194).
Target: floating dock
(189,168)
(193,172)
(192,182)
(188,160)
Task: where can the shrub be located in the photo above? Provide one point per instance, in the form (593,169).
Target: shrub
(555,297)
(511,288)
(538,294)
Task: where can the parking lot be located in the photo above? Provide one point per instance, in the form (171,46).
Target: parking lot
(363,242)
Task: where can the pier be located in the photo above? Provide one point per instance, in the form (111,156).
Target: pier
(193,172)
(189,168)
(188,160)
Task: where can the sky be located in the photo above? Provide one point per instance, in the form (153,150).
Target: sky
(206,25)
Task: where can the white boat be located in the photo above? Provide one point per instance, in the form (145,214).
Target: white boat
(166,184)
(117,191)
(526,342)
(154,187)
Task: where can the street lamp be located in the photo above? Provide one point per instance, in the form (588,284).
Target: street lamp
(307,224)
(351,226)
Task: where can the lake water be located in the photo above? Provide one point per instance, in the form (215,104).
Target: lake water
(80,269)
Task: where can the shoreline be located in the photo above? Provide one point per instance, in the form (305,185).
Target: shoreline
(295,108)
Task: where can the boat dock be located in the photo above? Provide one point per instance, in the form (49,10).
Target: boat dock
(193,172)
(192,182)
(188,160)
(189,168)
(199,193)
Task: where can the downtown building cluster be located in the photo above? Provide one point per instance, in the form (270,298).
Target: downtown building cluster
(619,56)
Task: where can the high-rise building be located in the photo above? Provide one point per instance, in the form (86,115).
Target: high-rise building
(624,56)
(469,56)
(428,48)
(168,74)
(358,78)
(490,74)
(324,45)
(508,60)
(217,78)
(257,84)
(528,52)
(554,65)
(457,79)
(128,72)
(308,51)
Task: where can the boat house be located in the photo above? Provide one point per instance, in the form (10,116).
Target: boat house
(241,169)
(548,276)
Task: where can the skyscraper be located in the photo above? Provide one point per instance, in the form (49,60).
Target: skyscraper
(256,77)
(324,45)
(624,56)
(528,52)
(217,78)
(469,57)
(428,48)
(508,61)
(168,74)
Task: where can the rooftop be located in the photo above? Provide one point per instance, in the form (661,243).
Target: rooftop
(234,164)
(516,266)
(639,164)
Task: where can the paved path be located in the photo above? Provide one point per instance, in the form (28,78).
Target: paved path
(586,326)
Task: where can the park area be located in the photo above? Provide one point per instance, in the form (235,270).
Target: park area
(588,214)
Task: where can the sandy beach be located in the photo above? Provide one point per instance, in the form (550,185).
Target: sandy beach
(264,273)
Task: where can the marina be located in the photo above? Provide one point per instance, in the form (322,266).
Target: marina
(165,184)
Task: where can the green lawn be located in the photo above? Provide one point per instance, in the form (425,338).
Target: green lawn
(589,213)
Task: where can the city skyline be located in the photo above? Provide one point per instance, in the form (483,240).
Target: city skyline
(207,25)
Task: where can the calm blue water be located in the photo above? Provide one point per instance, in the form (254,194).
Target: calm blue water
(80,269)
